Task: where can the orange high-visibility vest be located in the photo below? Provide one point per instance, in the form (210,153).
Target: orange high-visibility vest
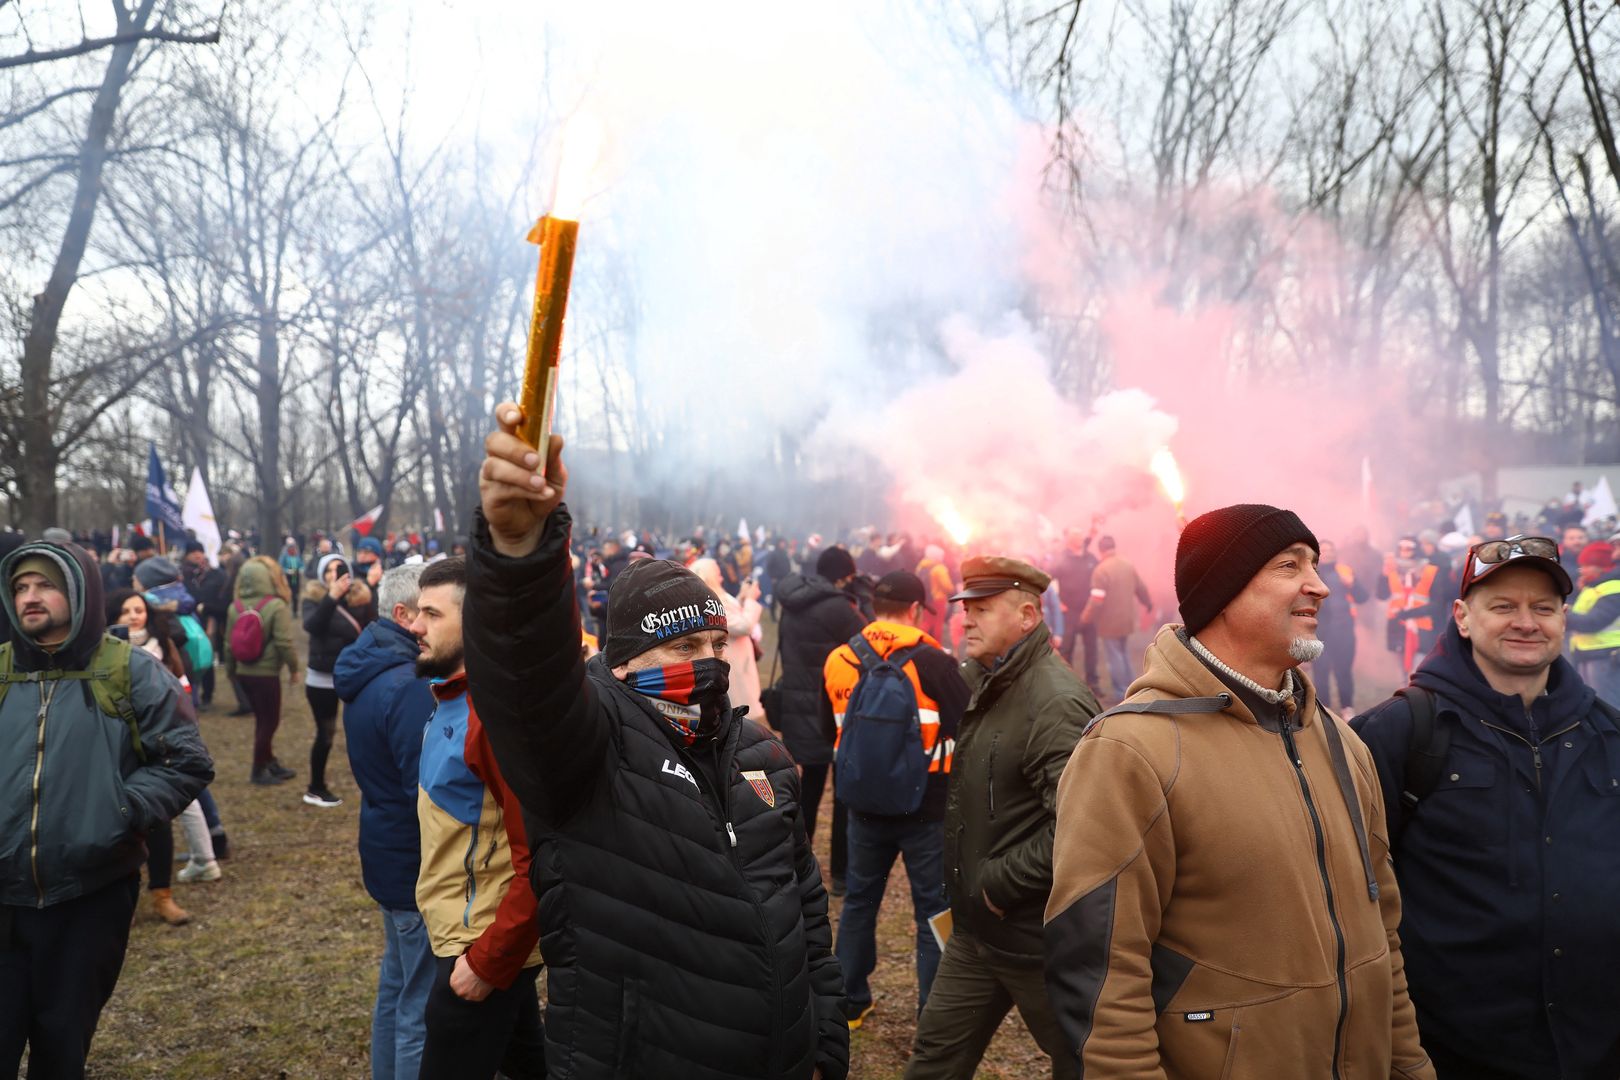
(842,671)
(1403,599)
(1347,576)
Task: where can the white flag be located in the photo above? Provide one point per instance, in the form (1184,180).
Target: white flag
(198,514)
(438,520)
(1603,505)
(1463,520)
(742,529)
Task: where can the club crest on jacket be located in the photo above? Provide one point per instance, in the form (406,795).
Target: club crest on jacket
(762,787)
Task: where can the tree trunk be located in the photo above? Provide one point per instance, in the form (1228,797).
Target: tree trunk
(41,455)
(269,400)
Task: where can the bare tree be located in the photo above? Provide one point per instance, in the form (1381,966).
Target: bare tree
(44,409)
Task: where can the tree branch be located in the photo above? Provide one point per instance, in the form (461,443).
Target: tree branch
(90,45)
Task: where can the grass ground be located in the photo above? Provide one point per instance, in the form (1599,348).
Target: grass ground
(275,975)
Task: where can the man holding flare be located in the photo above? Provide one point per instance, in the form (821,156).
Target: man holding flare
(683,919)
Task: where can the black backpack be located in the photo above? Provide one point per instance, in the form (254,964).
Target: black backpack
(880,766)
(1427,743)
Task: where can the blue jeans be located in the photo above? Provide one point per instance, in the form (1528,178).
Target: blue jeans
(873,844)
(1117,650)
(398,1029)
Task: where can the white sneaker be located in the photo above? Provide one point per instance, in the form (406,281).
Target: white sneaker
(200,871)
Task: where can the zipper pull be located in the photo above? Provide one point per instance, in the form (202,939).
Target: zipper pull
(731,833)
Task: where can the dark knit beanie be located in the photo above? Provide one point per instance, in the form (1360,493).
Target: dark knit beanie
(652,601)
(835,564)
(1221,551)
(156,571)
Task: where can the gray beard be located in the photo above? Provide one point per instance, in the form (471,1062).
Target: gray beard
(1303,649)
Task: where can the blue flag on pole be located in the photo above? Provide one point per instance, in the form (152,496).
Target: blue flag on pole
(161,503)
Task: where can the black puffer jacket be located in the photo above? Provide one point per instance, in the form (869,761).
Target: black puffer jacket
(329,632)
(816,619)
(683,920)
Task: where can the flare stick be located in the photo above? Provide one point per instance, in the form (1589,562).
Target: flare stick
(556,237)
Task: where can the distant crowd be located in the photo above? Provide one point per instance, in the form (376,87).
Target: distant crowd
(607,754)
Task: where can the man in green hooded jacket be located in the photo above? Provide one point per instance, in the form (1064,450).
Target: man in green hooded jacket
(97,747)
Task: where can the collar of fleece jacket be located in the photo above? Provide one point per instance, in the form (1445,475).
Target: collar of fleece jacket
(84,601)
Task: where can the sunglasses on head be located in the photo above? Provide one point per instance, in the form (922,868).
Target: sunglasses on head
(1498,551)
(1481,557)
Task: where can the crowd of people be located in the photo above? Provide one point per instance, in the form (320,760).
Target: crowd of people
(603,757)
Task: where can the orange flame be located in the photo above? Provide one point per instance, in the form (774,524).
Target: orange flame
(581,147)
(1165,470)
(957,527)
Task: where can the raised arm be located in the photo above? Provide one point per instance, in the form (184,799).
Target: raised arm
(521,630)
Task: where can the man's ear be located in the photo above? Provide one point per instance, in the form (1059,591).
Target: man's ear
(1459,612)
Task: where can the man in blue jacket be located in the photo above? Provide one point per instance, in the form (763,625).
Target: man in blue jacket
(1506,852)
(79,789)
(388,706)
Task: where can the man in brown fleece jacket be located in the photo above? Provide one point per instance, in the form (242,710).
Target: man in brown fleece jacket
(1223,903)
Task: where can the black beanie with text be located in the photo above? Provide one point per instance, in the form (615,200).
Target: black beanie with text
(652,601)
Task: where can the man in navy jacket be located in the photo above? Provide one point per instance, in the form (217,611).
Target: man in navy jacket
(1509,867)
(387,707)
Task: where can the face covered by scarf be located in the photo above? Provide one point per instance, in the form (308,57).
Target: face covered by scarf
(691,697)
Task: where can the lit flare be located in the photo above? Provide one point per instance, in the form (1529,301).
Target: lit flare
(1165,470)
(956,526)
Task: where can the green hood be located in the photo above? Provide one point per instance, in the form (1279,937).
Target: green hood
(253,582)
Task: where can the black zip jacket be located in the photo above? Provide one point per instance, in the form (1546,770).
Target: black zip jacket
(329,632)
(683,921)
(1509,871)
(816,619)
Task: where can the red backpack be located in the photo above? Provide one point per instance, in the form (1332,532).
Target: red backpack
(247,636)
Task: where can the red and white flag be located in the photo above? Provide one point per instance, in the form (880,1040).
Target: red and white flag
(438,520)
(365,521)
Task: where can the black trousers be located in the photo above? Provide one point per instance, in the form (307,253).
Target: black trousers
(1087,637)
(812,785)
(470,1040)
(160,856)
(58,967)
(1337,666)
(323,705)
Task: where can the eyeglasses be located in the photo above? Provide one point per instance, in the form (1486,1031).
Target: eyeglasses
(1482,558)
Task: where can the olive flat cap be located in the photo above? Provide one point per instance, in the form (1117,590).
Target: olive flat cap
(987,575)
